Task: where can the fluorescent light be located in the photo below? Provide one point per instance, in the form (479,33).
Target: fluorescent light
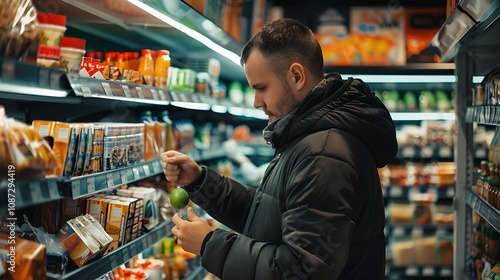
(188,31)
(237,111)
(408,116)
(33,91)
(191,105)
(254,113)
(404,78)
(477,79)
(219,109)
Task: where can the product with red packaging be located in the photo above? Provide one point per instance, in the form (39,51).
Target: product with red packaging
(72,51)
(51,31)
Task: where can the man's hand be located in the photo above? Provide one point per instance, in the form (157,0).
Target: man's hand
(191,232)
(179,168)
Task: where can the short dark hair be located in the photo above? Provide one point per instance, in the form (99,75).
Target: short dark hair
(286,41)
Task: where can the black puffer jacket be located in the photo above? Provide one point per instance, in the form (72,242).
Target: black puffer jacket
(319,211)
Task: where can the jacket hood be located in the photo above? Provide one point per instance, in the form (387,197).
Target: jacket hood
(348,105)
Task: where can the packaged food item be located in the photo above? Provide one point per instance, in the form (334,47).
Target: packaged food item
(401,212)
(24,148)
(18,27)
(48,57)
(27,258)
(425,250)
(72,51)
(51,28)
(83,239)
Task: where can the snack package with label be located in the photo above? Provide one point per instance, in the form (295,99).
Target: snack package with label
(24,149)
(18,27)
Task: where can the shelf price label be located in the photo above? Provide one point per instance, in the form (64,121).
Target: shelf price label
(428,271)
(110,181)
(398,231)
(445,152)
(445,272)
(408,152)
(126,91)
(112,261)
(157,169)
(137,176)
(123,175)
(133,249)
(53,190)
(107,89)
(91,185)
(480,153)
(411,271)
(396,191)
(450,192)
(154,93)
(126,254)
(36,193)
(427,152)
(75,188)
(147,172)
(86,91)
(139,92)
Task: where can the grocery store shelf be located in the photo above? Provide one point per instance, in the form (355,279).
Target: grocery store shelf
(97,182)
(488,115)
(30,192)
(490,214)
(33,192)
(435,152)
(119,256)
(154,24)
(419,272)
(395,192)
(418,230)
(460,29)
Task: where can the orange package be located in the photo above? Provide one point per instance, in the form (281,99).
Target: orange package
(26,260)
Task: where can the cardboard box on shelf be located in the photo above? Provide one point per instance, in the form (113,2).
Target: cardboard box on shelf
(150,208)
(117,222)
(421,24)
(78,240)
(368,36)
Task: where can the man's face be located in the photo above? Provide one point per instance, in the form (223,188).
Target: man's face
(276,97)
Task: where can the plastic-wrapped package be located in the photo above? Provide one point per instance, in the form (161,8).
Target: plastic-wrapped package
(22,147)
(18,27)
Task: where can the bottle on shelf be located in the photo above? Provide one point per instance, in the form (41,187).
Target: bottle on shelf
(162,64)
(150,146)
(147,67)
(483,176)
(169,138)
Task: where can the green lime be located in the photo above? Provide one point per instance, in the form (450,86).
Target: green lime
(179,198)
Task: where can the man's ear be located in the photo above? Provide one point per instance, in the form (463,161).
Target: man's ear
(298,75)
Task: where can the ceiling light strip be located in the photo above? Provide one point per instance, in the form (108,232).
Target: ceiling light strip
(188,31)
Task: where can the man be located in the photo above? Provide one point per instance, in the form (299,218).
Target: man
(318,212)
